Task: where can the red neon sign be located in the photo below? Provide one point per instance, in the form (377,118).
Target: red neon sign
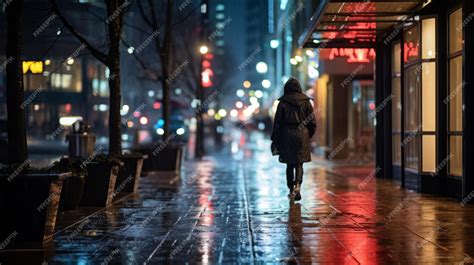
(411,51)
(363,55)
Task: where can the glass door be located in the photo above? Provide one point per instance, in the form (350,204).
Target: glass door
(396,110)
(420,113)
(455,94)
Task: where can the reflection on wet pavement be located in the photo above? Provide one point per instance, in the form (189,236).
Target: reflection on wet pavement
(226,210)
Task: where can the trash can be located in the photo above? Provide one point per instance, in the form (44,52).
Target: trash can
(81,140)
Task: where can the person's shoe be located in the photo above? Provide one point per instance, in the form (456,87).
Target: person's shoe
(291,194)
(297,192)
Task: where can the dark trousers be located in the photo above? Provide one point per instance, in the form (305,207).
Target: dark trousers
(294,174)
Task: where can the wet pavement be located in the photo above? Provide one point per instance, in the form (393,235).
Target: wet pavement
(232,208)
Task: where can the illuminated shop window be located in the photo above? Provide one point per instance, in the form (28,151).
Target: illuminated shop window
(420,97)
(55,75)
(396,105)
(455,94)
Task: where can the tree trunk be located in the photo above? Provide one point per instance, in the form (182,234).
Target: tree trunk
(166,61)
(115,101)
(17,149)
(115,17)
(199,148)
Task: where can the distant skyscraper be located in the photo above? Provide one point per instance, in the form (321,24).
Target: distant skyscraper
(256,35)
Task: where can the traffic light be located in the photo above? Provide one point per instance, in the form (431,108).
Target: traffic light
(207,72)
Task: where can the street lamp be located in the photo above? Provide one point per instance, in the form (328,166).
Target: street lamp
(203,49)
(274,44)
(247,84)
(310,53)
(266,83)
(262,67)
(240,93)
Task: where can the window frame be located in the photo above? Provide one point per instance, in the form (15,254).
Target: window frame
(397,73)
(450,57)
(419,63)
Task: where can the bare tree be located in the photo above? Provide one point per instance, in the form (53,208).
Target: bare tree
(17,146)
(163,49)
(111,59)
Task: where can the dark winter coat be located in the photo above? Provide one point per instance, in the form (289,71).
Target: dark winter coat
(294,125)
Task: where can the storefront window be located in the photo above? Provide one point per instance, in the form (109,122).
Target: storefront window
(455,95)
(99,75)
(429,153)
(428,100)
(420,96)
(412,116)
(412,45)
(428,38)
(58,75)
(396,105)
(455,31)
(455,163)
(428,97)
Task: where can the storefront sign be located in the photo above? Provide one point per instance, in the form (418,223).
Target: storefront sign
(410,52)
(363,55)
(33,67)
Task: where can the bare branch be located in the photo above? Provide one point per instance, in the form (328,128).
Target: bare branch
(145,17)
(187,16)
(142,64)
(96,53)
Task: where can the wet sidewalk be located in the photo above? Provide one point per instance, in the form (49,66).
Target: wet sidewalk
(235,210)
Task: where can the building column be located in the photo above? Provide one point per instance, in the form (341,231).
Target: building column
(386,109)
(379,117)
(468,98)
(441,187)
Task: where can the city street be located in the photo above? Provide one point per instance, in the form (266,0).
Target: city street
(234,209)
(164,132)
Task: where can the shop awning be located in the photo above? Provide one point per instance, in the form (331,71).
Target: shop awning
(355,23)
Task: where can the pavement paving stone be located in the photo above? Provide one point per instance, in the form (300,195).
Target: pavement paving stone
(231,211)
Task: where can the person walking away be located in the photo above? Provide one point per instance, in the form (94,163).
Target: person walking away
(293,127)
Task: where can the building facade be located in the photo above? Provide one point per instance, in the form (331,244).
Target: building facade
(423,96)
(61,81)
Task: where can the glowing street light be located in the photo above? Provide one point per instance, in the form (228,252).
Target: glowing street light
(299,58)
(143,120)
(262,67)
(240,93)
(274,44)
(247,84)
(203,49)
(310,53)
(222,113)
(266,83)
(293,61)
(234,113)
(239,104)
(253,100)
